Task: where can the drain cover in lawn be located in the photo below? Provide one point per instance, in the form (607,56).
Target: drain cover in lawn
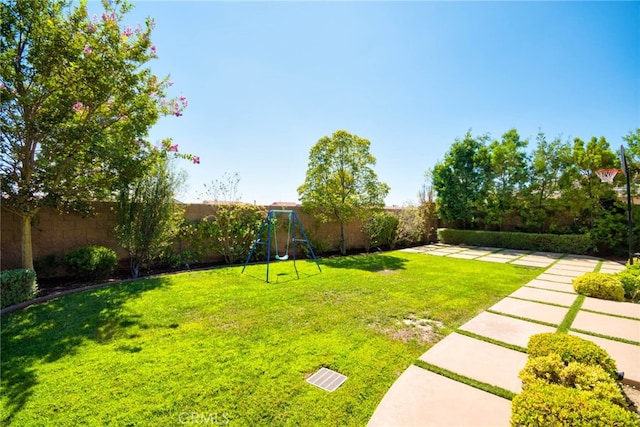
(327,379)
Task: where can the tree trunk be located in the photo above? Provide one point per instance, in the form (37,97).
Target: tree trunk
(343,246)
(26,246)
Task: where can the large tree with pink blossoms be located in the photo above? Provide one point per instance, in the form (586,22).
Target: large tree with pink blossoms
(78,100)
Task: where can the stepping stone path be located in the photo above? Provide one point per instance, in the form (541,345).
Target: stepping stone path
(422,398)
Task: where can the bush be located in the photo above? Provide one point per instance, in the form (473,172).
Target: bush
(91,262)
(379,230)
(17,286)
(552,370)
(571,349)
(599,285)
(410,230)
(564,243)
(46,266)
(230,231)
(630,279)
(554,405)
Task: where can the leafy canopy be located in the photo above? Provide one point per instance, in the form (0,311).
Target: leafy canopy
(340,181)
(77,102)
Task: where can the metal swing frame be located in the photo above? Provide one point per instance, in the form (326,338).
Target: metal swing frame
(270,223)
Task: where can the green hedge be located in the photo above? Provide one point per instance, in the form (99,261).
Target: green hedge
(91,262)
(554,405)
(17,286)
(599,285)
(564,243)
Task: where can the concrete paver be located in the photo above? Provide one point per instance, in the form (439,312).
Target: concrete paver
(479,360)
(531,310)
(422,398)
(627,309)
(554,278)
(554,286)
(505,329)
(612,267)
(542,295)
(627,356)
(529,263)
(463,255)
(607,325)
(498,259)
(564,272)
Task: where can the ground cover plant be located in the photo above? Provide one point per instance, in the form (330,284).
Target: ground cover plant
(218,345)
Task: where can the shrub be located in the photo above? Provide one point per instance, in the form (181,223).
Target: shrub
(379,229)
(630,279)
(230,231)
(552,370)
(46,266)
(91,262)
(565,243)
(17,286)
(410,230)
(571,349)
(599,285)
(555,405)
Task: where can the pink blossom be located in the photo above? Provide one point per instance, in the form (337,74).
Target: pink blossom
(183,100)
(127,31)
(170,83)
(177,113)
(139,142)
(95,17)
(87,49)
(91,28)
(77,107)
(153,49)
(173,147)
(196,160)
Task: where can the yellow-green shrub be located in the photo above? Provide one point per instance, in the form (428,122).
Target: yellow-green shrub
(599,285)
(590,378)
(544,404)
(571,349)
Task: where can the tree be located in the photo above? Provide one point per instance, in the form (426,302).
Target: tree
(148,215)
(77,104)
(461,180)
(340,182)
(509,162)
(224,189)
(547,178)
(585,195)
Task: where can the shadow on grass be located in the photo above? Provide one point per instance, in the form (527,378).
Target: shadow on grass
(370,262)
(47,332)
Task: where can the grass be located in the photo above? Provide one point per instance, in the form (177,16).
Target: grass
(498,391)
(220,346)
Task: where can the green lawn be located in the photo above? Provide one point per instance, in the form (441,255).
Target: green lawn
(220,346)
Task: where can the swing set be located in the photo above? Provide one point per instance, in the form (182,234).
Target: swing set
(271,225)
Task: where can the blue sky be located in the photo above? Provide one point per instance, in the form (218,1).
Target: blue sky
(266,80)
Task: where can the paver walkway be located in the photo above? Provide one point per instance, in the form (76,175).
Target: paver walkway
(422,398)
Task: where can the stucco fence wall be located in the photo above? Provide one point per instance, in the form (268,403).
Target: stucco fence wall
(54,233)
